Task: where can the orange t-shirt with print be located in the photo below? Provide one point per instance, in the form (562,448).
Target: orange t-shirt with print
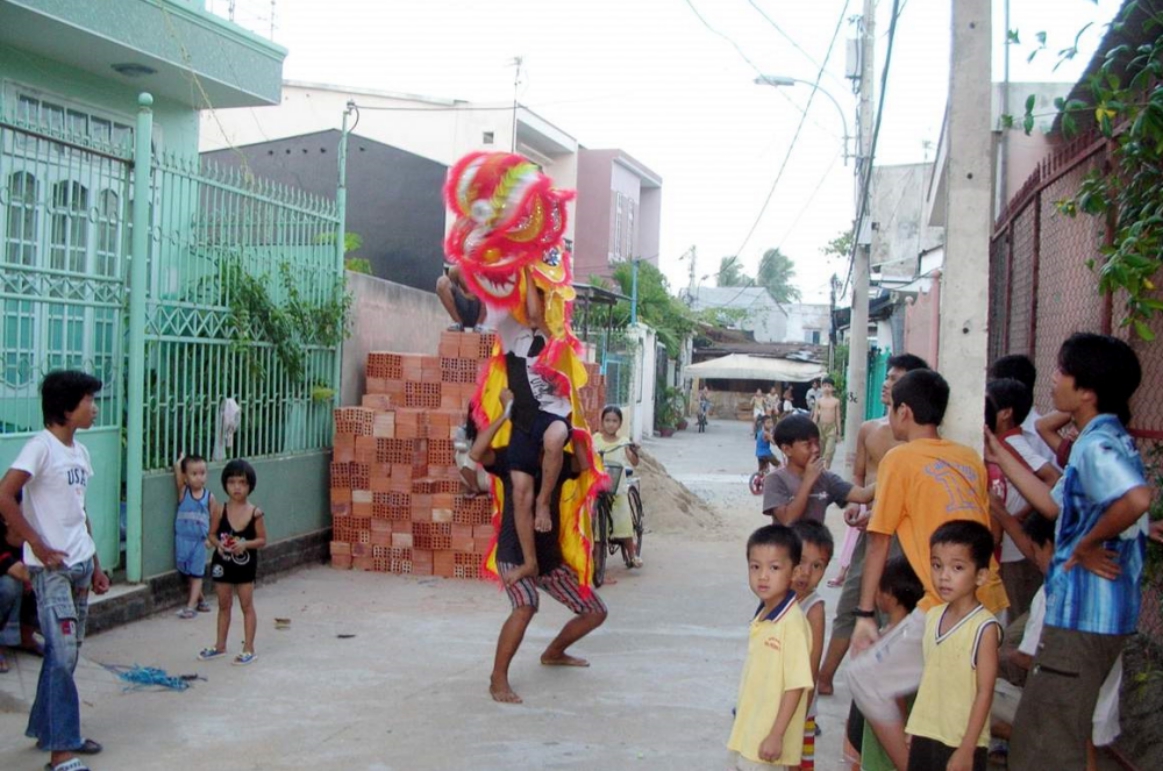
(921,485)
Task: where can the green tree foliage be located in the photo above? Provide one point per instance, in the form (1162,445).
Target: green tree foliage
(731,273)
(656,306)
(840,246)
(776,272)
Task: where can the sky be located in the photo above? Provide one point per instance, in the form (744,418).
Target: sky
(651,78)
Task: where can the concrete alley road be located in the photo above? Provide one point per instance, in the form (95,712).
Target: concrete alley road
(390,673)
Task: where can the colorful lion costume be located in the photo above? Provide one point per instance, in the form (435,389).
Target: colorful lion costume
(509,228)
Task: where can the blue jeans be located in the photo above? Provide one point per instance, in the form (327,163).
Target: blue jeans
(62,603)
(11,592)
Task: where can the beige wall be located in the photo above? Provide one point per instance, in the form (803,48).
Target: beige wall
(387,317)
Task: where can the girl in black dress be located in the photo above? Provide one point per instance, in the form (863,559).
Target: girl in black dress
(237,532)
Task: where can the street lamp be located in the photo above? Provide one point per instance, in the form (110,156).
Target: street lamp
(782,80)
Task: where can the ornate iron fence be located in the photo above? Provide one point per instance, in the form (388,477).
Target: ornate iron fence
(243,319)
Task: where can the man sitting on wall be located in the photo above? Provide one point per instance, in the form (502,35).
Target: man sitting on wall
(465,308)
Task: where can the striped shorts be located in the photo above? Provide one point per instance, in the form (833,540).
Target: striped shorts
(808,758)
(560,583)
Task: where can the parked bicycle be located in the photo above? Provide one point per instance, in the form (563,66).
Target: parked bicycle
(603,520)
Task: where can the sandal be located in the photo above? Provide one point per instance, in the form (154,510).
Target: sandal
(72,764)
(636,562)
(187,613)
(202,606)
(836,582)
(210,653)
(244,658)
(88,747)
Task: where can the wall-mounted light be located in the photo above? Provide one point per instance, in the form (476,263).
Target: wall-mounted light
(134,70)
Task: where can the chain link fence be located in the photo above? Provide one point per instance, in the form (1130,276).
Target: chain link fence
(1044,286)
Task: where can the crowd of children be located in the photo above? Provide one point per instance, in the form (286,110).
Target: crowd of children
(931,672)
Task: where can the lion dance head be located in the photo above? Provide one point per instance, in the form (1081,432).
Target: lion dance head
(509,217)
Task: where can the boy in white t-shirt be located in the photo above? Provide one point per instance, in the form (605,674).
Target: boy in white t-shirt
(52,473)
(1008,401)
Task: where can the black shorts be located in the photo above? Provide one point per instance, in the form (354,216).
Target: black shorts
(525,446)
(925,754)
(467,307)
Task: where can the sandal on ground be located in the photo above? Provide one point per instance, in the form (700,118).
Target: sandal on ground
(837,581)
(636,562)
(72,764)
(187,613)
(88,747)
(244,658)
(210,653)
(202,606)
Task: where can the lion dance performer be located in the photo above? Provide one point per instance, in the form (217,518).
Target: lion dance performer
(507,241)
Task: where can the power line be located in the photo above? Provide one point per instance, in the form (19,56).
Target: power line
(796,136)
(867,181)
(790,39)
(739,50)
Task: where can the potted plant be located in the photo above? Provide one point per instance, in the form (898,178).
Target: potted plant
(668,410)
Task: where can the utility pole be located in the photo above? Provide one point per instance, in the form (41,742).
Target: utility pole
(517,62)
(964,313)
(857,383)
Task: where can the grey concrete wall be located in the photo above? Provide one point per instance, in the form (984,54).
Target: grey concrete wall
(394,198)
(387,317)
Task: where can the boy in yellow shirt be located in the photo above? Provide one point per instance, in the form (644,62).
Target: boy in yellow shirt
(770,711)
(949,723)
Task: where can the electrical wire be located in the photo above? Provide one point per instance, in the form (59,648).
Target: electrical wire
(867,181)
(743,55)
(790,39)
(795,138)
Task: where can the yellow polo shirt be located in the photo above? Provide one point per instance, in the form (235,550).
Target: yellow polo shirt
(949,683)
(778,660)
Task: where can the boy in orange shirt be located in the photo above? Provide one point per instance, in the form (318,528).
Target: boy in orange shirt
(921,485)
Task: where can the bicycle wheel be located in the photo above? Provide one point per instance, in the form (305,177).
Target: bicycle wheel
(637,517)
(601,519)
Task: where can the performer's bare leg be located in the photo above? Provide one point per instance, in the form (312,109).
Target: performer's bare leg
(523,521)
(553,444)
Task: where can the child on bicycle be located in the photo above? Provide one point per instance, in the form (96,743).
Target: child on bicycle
(763,438)
(615,450)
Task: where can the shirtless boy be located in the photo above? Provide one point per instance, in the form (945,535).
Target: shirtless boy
(872,442)
(826,416)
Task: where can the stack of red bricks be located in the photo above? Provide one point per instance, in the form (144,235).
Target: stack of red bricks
(396,499)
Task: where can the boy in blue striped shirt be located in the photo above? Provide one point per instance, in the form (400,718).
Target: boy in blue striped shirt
(1092,588)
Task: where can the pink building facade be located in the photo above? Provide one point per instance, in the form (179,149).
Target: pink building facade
(618,212)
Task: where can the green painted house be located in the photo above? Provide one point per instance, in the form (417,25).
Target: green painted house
(235,277)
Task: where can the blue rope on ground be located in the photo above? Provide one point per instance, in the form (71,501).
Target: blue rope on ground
(143,677)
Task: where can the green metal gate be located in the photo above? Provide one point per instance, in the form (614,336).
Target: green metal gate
(64,206)
(877,371)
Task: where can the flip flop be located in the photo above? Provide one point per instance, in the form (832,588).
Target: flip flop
(88,747)
(72,764)
(187,613)
(210,653)
(837,581)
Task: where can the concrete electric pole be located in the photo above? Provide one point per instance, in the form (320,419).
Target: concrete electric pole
(857,384)
(965,312)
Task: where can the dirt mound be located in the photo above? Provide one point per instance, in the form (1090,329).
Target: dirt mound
(670,506)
